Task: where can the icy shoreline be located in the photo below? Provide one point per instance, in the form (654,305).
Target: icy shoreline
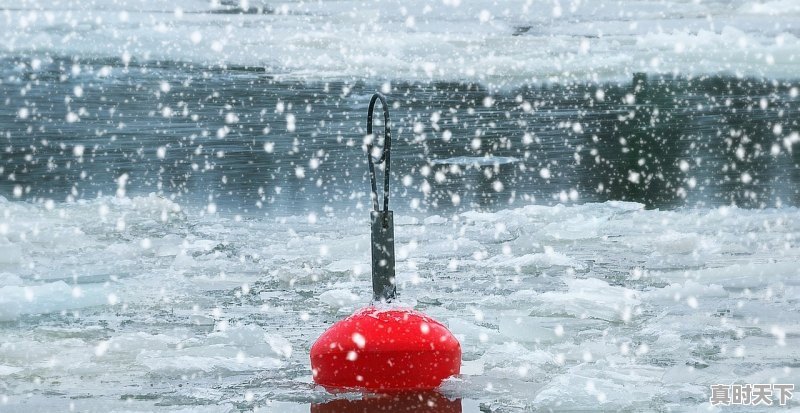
(568,307)
(499,44)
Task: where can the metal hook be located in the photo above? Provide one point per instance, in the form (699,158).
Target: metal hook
(387,146)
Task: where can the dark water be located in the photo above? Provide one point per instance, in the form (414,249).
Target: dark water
(224,136)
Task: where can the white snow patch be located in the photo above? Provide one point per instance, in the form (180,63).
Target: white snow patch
(590,298)
(16,300)
(339,298)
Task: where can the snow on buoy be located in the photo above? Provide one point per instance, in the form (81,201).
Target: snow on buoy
(384,349)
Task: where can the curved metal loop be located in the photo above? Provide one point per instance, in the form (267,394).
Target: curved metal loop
(387,146)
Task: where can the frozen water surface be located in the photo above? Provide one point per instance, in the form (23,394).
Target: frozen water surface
(501,43)
(598,198)
(174,308)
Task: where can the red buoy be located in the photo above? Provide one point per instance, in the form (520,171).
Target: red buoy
(385,350)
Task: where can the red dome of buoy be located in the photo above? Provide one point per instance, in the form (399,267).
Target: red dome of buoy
(385,350)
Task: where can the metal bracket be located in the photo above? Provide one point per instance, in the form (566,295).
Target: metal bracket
(382,221)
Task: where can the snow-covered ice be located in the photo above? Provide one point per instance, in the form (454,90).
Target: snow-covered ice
(643,311)
(499,43)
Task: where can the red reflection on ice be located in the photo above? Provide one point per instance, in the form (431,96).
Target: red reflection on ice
(417,402)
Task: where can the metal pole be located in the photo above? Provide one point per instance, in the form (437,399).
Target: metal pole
(382,221)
